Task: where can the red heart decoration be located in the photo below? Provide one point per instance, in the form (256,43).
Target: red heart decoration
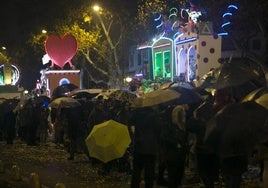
(61,49)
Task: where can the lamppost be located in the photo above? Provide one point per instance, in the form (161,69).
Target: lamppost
(44,31)
(98,10)
(112,44)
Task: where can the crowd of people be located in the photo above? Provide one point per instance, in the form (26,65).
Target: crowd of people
(164,138)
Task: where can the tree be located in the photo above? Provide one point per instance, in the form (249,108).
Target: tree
(3,58)
(248,22)
(100,38)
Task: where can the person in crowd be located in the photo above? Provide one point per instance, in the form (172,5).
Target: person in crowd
(164,115)
(30,122)
(232,166)
(207,160)
(146,145)
(9,127)
(97,115)
(43,125)
(71,129)
(58,119)
(123,116)
(175,137)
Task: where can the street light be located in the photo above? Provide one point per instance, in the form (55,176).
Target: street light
(44,31)
(96,8)
(106,29)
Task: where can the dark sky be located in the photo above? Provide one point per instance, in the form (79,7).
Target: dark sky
(19,18)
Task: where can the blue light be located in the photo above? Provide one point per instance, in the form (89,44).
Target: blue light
(223,34)
(233,6)
(159,17)
(225,24)
(159,25)
(186,40)
(227,14)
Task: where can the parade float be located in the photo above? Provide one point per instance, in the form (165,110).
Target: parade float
(60,50)
(9,79)
(185,48)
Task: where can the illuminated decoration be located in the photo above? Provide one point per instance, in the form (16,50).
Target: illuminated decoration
(162,50)
(64,81)
(9,75)
(186,40)
(45,59)
(169,26)
(61,50)
(192,15)
(184,48)
(51,79)
(226,18)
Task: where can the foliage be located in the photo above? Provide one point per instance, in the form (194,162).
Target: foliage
(246,23)
(3,58)
(99,37)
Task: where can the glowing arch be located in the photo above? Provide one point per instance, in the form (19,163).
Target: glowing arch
(15,75)
(64,81)
(192,66)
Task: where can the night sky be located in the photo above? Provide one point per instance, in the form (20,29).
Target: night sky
(20,18)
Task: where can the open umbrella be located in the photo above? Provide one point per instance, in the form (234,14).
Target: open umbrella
(63,90)
(166,85)
(260,96)
(64,102)
(122,95)
(187,96)
(85,93)
(108,141)
(156,97)
(237,128)
(239,77)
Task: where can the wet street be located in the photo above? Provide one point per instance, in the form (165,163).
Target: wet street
(20,164)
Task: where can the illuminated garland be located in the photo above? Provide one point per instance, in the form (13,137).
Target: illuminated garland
(227,17)
(169,26)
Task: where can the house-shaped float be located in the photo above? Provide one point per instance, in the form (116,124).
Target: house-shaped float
(190,55)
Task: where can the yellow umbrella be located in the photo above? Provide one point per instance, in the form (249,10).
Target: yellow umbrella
(108,141)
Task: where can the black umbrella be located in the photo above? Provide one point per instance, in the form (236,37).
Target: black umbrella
(123,95)
(260,96)
(85,93)
(237,128)
(187,96)
(63,90)
(239,77)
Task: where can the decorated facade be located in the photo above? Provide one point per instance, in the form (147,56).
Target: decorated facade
(60,51)
(9,74)
(184,49)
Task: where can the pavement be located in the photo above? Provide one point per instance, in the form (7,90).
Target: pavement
(46,166)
